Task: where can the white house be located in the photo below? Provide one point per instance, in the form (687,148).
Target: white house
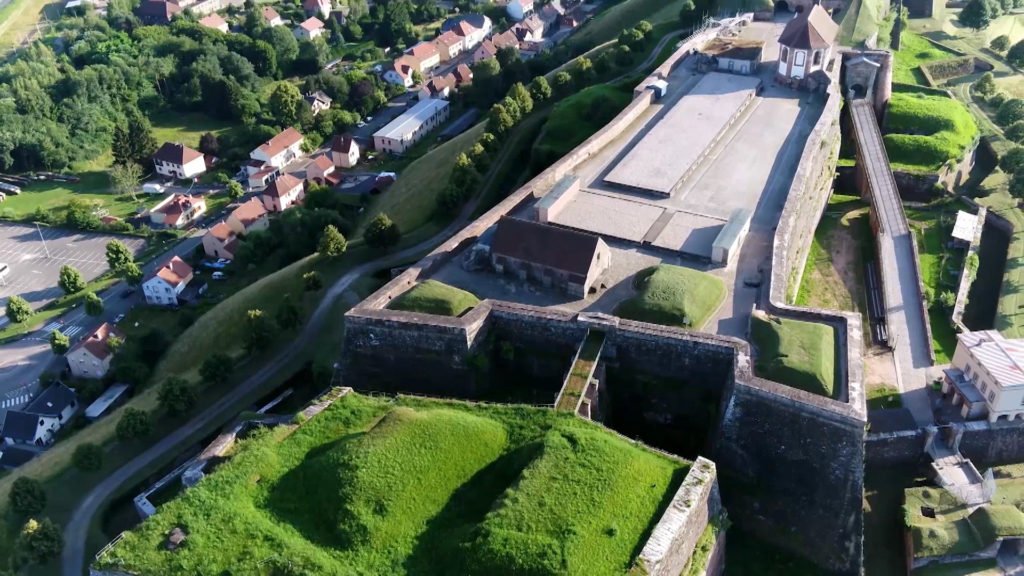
(251,216)
(805,45)
(473,28)
(283,193)
(400,71)
(39,421)
(310,29)
(270,17)
(163,286)
(279,150)
(178,161)
(90,357)
(518,9)
(406,130)
(986,378)
(344,151)
(177,211)
(317,101)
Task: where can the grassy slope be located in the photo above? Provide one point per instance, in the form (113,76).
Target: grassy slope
(796,353)
(609,23)
(18,19)
(407,494)
(924,131)
(822,286)
(956,529)
(433,297)
(861,20)
(914,51)
(673,296)
(1009,319)
(577,117)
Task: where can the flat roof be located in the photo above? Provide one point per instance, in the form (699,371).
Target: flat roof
(410,121)
(109,396)
(731,232)
(658,161)
(560,188)
(965,227)
(690,233)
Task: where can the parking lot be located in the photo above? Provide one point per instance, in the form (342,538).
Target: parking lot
(36,256)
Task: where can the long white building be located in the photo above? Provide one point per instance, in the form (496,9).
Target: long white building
(406,130)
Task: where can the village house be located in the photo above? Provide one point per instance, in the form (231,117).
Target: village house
(438,87)
(426,55)
(406,130)
(449,45)
(986,377)
(485,51)
(805,45)
(279,150)
(532,29)
(163,286)
(549,255)
(270,17)
(251,216)
(321,171)
(91,356)
(400,71)
(463,75)
(283,193)
(310,29)
(732,55)
(551,14)
(318,8)
(507,39)
(214,21)
(178,161)
(344,151)
(177,211)
(518,9)
(473,28)
(317,101)
(157,11)
(220,241)
(39,422)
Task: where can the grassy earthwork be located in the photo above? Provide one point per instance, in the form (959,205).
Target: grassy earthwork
(923,131)
(354,490)
(795,353)
(833,277)
(673,296)
(914,51)
(433,297)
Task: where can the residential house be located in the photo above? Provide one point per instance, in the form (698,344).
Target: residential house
(518,9)
(805,45)
(404,131)
(279,150)
(220,241)
(321,171)
(551,14)
(485,51)
(438,87)
(426,54)
(400,71)
(463,75)
(204,7)
(986,377)
(157,11)
(449,45)
(90,357)
(177,211)
(317,101)
(178,161)
(318,8)
(344,151)
(532,28)
(473,28)
(310,29)
(259,175)
(39,421)
(214,21)
(549,255)
(508,39)
(270,17)
(163,286)
(251,216)
(283,193)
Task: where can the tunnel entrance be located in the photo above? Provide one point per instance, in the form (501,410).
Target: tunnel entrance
(781,6)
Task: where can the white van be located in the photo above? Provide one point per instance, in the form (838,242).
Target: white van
(152,188)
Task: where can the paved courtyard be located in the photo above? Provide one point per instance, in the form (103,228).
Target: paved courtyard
(36,256)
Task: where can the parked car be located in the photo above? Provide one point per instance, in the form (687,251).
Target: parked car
(118,318)
(213,265)
(153,188)
(218,276)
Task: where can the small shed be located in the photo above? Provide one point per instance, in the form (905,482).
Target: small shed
(730,238)
(965,227)
(659,87)
(736,55)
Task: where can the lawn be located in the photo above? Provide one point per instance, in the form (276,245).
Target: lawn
(186,128)
(956,528)
(795,353)
(355,490)
(433,297)
(833,277)
(610,22)
(18,19)
(924,132)
(940,271)
(673,296)
(883,398)
(914,51)
(575,119)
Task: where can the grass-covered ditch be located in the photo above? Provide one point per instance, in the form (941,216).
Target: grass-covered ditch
(414,486)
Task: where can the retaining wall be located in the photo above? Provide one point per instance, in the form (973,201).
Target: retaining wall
(985,443)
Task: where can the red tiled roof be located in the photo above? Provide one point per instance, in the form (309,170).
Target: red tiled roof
(96,343)
(174,272)
(175,153)
(449,38)
(323,163)
(221,231)
(213,21)
(464,28)
(422,51)
(178,205)
(249,212)
(282,186)
(269,14)
(312,24)
(287,138)
(343,143)
(463,74)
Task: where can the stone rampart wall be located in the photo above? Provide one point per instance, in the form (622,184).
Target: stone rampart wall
(696,504)
(895,448)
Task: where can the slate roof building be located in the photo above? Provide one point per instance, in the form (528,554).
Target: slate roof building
(39,422)
(805,45)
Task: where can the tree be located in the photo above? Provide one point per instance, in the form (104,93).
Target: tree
(1012,161)
(1000,43)
(631,37)
(285,103)
(522,98)
(540,89)
(59,342)
(27,496)
(947,299)
(217,368)
(133,424)
(1015,55)
(417,78)
(118,255)
(93,304)
(382,232)
(686,12)
(289,315)
(260,331)
(312,281)
(114,342)
(235,190)
(1017,185)
(70,280)
(18,309)
(176,396)
(1015,132)
(332,243)
(132,274)
(126,178)
(133,139)
(563,83)
(209,144)
(986,85)
(40,541)
(499,120)
(644,27)
(1011,111)
(977,14)
(88,457)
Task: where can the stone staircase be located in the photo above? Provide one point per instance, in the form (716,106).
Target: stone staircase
(954,472)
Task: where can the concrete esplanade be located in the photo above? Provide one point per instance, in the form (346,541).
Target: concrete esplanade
(790,463)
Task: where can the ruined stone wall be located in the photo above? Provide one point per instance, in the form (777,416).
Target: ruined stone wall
(791,471)
(696,504)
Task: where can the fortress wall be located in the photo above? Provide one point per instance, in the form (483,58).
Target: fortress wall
(696,504)
(895,448)
(991,444)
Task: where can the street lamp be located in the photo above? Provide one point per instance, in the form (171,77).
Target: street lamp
(45,247)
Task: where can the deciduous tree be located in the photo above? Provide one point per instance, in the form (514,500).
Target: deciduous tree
(70,280)
(540,89)
(59,342)
(18,309)
(118,255)
(312,281)
(260,331)
(27,496)
(88,457)
(977,14)
(134,423)
(235,190)
(285,103)
(382,232)
(133,139)
(126,178)
(176,396)
(1000,43)
(217,368)
(332,243)
(93,304)
(40,541)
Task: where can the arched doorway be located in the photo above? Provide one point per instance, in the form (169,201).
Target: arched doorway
(799,8)
(781,6)
(858,91)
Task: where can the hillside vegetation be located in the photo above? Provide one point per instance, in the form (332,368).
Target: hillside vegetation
(926,131)
(414,486)
(577,118)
